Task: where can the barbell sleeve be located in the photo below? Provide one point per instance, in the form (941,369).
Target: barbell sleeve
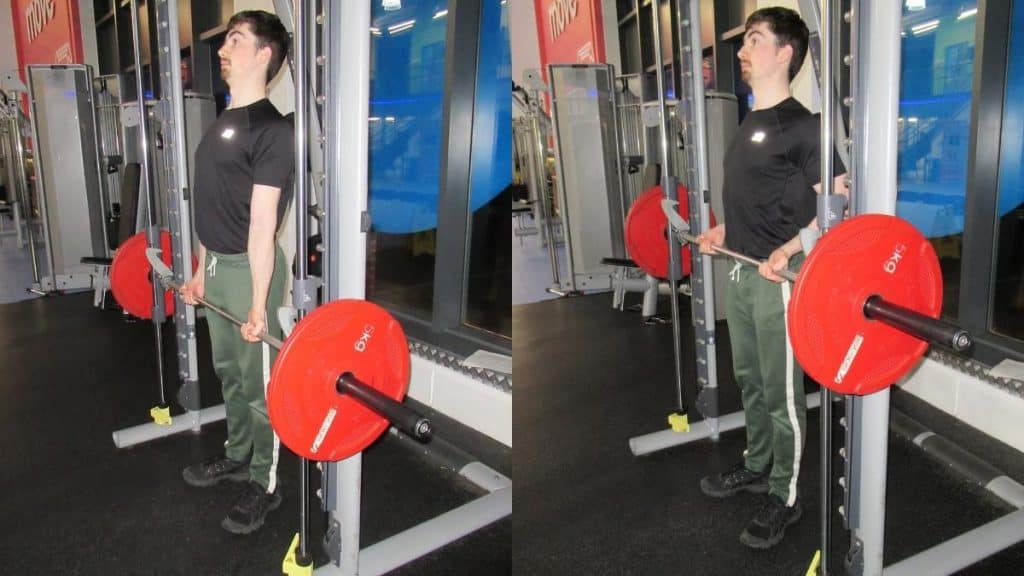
(916,324)
(401,416)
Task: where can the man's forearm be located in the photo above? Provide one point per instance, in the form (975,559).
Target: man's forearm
(261,263)
(202,260)
(793,246)
(261,247)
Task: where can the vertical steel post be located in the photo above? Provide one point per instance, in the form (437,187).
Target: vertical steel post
(152,234)
(668,188)
(300,50)
(347,218)
(874,114)
(691,113)
(179,197)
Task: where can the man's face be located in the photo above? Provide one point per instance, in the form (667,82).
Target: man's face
(239,56)
(761,56)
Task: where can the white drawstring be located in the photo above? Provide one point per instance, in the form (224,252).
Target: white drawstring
(734,274)
(211,268)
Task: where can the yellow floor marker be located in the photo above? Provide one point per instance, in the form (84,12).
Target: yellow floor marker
(161,416)
(679,421)
(812,570)
(290,566)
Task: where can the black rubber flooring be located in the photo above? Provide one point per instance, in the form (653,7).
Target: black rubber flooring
(589,378)
(72,503)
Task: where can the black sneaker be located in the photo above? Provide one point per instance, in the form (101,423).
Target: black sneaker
(251,509)
(215,470)
(735,480)
(769,525)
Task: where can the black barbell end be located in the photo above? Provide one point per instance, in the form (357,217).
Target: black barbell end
(401,416)
(918,325)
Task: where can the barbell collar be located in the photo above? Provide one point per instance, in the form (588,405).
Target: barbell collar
(917,325)
(401,416)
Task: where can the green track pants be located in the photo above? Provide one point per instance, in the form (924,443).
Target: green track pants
(244,367)
(769,377)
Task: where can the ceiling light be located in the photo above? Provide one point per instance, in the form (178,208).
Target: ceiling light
(967,13)
(401,26)
(924,27)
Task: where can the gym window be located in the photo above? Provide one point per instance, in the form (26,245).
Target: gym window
(439,257)
(961,147)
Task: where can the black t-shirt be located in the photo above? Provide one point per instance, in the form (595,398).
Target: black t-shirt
(770,167)
(243,147)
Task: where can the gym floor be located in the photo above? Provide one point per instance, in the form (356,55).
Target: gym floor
(589,378)
(72,503)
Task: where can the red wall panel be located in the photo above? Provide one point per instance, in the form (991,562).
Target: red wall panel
(47,32)
(569,31)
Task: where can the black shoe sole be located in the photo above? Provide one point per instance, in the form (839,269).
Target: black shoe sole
(242,529)
(751,541)
(708,490)
(237,476)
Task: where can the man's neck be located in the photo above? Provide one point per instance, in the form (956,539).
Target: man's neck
(242,96)
(770,94)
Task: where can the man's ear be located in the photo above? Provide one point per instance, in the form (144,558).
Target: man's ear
(263,54)
(785,54)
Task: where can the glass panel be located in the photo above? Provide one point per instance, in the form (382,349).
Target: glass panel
(489,281)
(406,106)
(934,123)
(1008,297)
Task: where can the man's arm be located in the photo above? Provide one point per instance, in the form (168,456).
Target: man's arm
(779,258)
(711,238)
(262,228)
(196,286)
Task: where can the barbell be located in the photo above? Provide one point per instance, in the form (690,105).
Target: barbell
(338,380)
(865,304)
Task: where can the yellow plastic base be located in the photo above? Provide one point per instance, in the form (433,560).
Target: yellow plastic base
(161,416)
(679,421)
(812,570)
(290,566)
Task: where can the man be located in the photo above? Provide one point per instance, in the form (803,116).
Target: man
(772,172)
(244,166)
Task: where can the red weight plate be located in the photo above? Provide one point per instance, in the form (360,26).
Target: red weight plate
(646,238)
(832,339)
(305,408)
(130,276)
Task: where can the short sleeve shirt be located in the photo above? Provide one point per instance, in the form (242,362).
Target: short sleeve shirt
(771,166)
(244,147)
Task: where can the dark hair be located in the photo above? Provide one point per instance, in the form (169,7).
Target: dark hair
(269,32)
(790,30)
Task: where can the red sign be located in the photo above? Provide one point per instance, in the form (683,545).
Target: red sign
(570,31)
(47,32)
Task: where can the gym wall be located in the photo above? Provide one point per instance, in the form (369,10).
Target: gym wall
(8,52)
(525,51)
